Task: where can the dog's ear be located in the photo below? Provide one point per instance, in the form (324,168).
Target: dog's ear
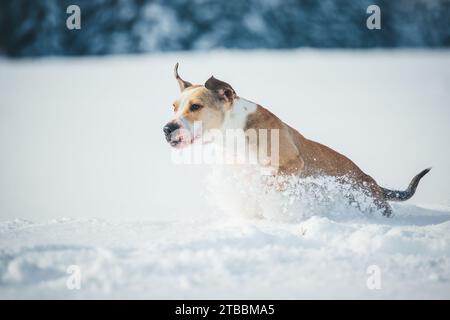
(223,89)
(183,84)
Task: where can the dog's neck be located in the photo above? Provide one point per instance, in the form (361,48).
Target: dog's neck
(236,117)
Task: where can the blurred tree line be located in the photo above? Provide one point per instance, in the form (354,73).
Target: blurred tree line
(38,27)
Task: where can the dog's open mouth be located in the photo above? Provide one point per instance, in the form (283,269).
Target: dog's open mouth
(183,142)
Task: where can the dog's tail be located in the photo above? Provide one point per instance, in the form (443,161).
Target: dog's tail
(393,195)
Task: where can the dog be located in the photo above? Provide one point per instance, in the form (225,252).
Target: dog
(217,106)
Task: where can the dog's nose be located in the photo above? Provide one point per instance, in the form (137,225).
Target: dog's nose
(170,127)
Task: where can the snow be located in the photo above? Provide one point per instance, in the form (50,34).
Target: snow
(87,179)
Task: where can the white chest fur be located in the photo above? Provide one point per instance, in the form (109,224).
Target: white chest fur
(237,145)
(236,118)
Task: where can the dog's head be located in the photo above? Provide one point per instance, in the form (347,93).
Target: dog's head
(198,109)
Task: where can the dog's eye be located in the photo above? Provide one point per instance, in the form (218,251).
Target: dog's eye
(195,107)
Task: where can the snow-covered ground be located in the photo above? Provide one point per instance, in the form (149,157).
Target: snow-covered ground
(87,179)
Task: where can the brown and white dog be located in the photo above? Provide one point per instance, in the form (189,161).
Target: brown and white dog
(217,106)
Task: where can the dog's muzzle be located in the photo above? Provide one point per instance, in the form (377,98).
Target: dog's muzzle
(169,129)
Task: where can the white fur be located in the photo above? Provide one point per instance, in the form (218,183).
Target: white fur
(234,124)
(236,118)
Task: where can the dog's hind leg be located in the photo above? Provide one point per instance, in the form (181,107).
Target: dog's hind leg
(372,189)
(384,207)
(379,200)
(380,203)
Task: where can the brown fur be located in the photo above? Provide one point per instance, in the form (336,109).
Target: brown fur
(210,114)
